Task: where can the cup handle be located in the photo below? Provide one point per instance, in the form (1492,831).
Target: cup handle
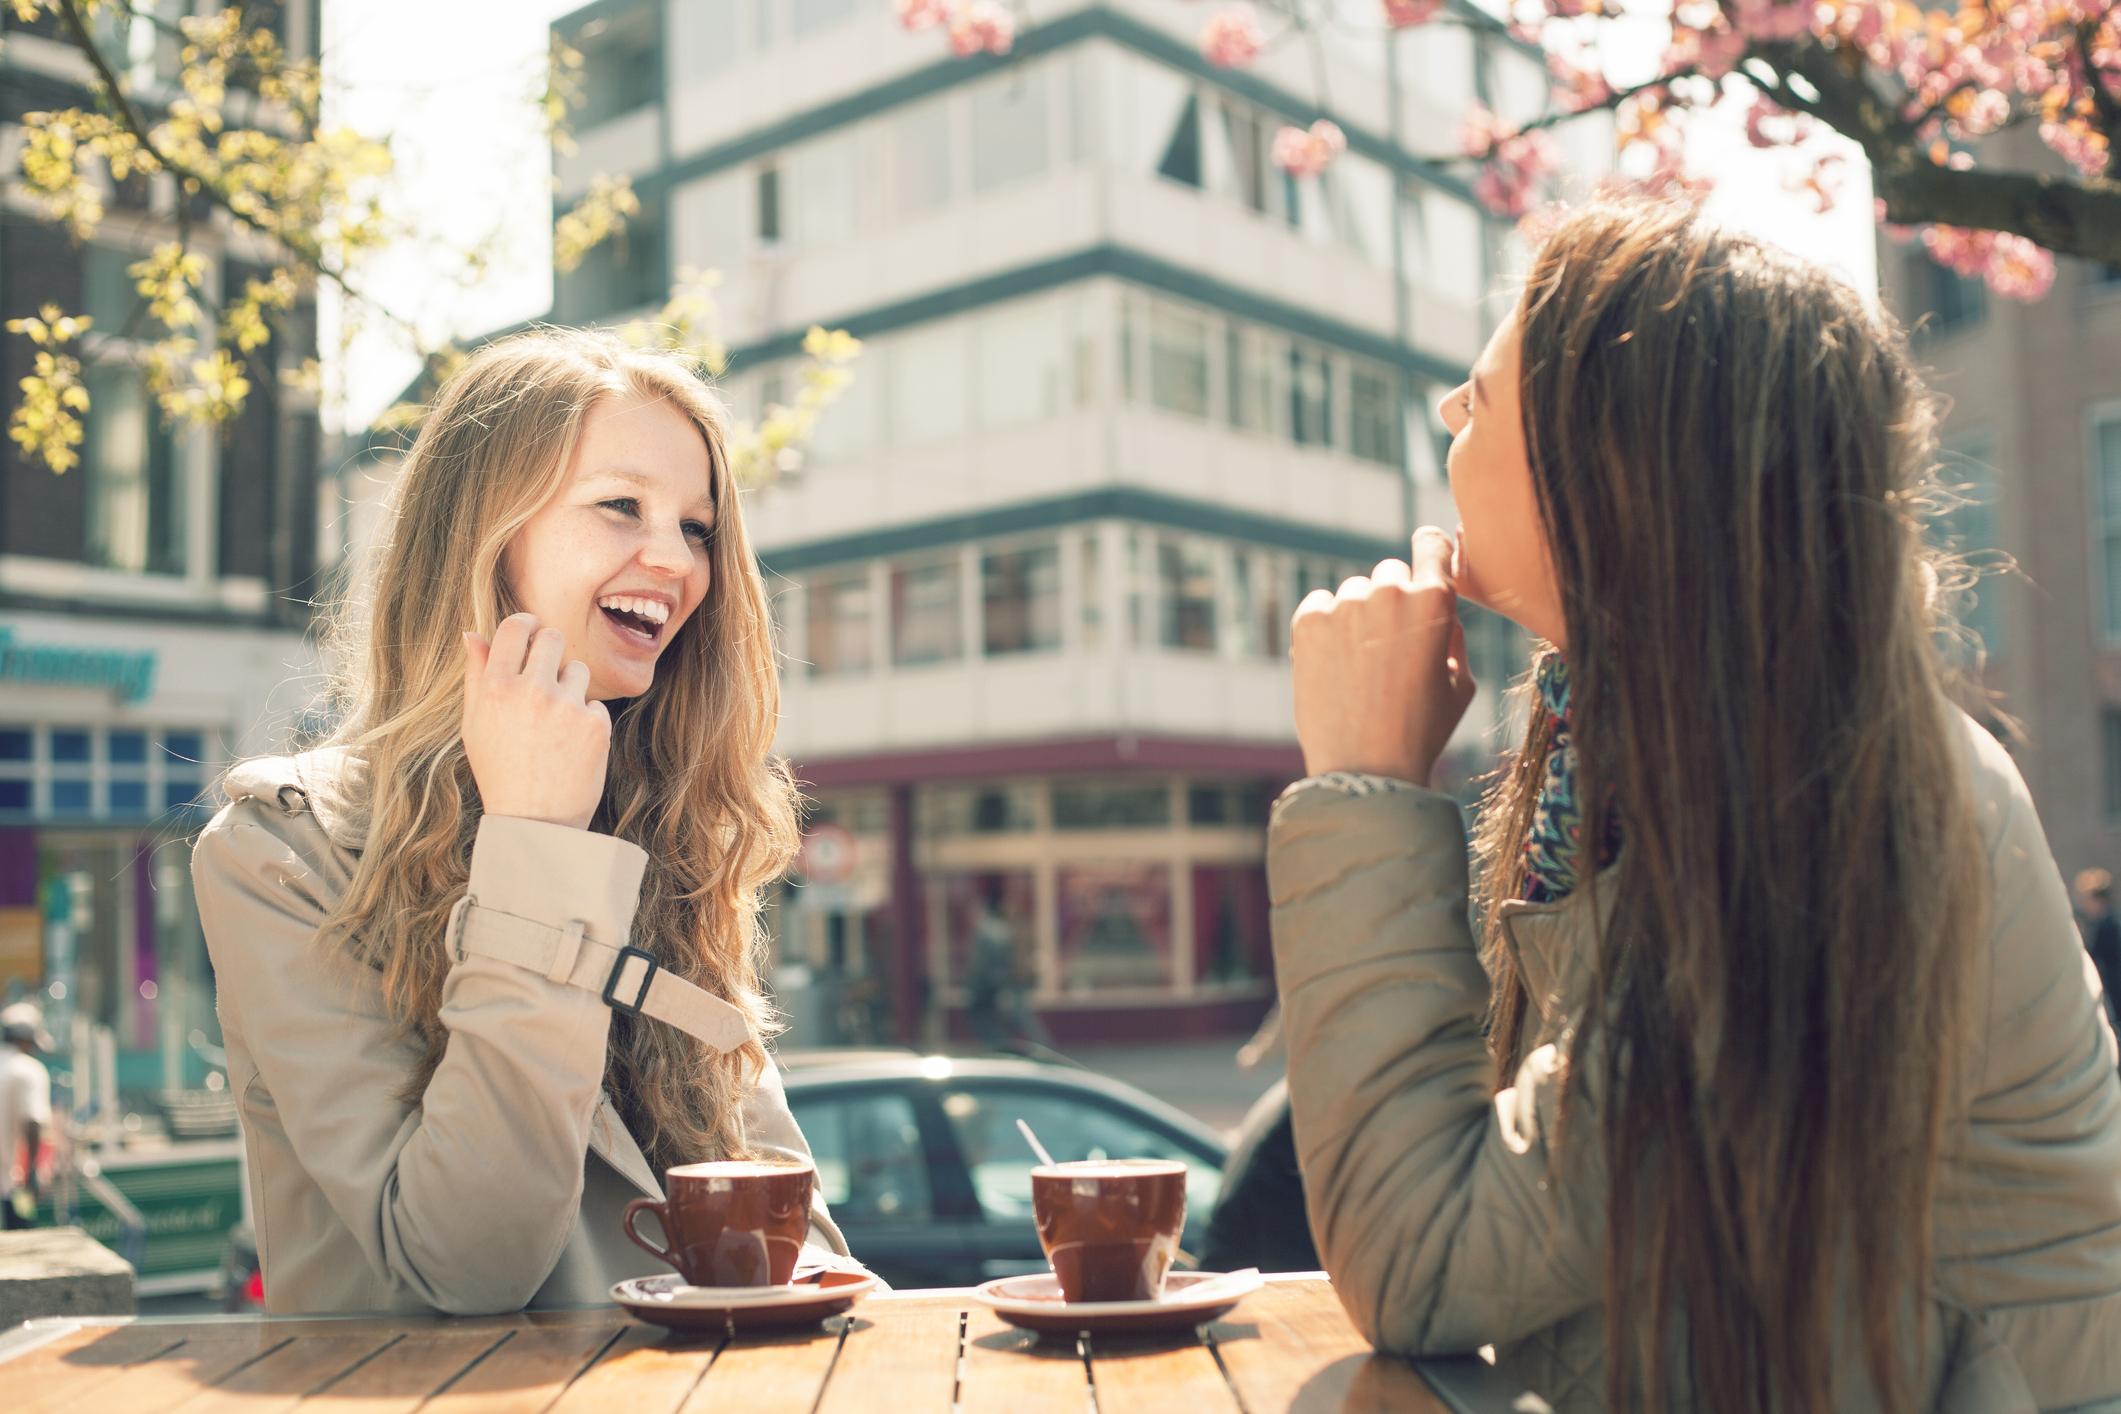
(662,1219)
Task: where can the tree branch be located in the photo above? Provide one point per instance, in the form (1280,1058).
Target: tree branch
(312,258)
(2068,217)
(1613,99)
(2105,106)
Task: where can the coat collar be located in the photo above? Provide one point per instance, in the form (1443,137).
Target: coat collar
(1552,943)
(611,1141)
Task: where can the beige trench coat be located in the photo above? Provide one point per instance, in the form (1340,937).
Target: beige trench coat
(1446,1224)
(504,1187)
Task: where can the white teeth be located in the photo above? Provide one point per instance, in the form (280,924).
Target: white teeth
(655,611)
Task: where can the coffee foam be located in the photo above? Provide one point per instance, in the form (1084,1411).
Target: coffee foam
(1110,1168)
(736,1168)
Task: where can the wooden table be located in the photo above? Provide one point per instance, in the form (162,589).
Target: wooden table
(1285,1347)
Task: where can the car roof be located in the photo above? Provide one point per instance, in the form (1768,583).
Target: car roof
(818,1069)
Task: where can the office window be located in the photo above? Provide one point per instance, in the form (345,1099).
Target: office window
(620,274)
(1185,572)
(928,398)
(1111,805)
(1178,359)
(1373,412)
(136,498)
(823,182)
(769,204)
(1259,588)
(1092,589)
(1020,597)
(837,623)
(1181,158)
(622,65)
(2106,493)
(926,613)
(1249,355)
(1310,397)
(923,157)
(1022,363)
(1250,135)
(808,17)
(1011,129)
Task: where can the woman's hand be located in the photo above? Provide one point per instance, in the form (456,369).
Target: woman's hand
(538,748)
(1381,676)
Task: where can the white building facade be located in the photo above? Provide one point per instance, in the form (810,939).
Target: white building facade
(1127,392)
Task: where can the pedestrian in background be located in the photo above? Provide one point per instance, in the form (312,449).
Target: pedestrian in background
(25,1111)
(2102,932)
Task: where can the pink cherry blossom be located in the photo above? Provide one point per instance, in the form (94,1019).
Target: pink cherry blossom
(982,26)
(1514,164)
(1231,38)
(1405,14)
(1713,52)
(1578,85)
(1772,21)
(2013,266)
(2082,147)
(923,14)
(1305,152)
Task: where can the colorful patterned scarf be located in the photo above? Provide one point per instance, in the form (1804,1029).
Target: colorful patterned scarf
(1557,818)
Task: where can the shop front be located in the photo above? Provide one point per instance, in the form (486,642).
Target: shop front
(1109,905)
(112,736)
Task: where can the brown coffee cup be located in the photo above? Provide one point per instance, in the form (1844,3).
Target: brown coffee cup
(731,1222)
(1110,1226)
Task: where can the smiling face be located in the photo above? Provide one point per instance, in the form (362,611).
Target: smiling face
(618,560)
(1503,563)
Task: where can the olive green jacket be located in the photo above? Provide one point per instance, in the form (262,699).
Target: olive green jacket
(1448,1224)
(503,1187)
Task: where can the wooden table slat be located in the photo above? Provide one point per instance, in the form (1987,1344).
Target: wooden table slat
(905,1347)
(404,1373)
(770,1372)
(87,1356)
(281,1378)
(1008,1371)
(642,1373)
(526,1372)
(1290,1347)
(167,1379)
(1178,1372)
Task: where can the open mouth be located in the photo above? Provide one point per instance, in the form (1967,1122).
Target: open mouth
(640,621)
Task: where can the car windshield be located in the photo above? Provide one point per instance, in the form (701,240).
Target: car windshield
(1071,1126)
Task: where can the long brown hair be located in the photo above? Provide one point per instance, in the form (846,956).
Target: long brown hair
(1732,455)
(690,778)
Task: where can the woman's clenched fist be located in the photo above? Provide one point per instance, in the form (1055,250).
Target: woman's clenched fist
(1381,676)
(538,747)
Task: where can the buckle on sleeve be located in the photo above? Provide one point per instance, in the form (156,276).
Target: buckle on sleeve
(611,983)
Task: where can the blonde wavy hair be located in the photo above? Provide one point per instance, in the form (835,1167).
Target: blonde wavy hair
(690,780)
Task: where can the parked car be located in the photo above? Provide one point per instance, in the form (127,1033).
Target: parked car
(925,1171)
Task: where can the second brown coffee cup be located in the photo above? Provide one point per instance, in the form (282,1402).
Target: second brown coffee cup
(1110,1226)
(730,1222)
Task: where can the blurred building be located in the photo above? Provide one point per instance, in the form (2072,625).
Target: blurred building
(2033,438)
(153,599)
(1128,392)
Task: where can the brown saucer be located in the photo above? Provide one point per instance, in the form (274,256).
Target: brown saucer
(1035,1303)
(666,1300)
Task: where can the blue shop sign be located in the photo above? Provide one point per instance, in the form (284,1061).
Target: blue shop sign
(130,675)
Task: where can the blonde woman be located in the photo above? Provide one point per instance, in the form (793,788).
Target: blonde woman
(487,958)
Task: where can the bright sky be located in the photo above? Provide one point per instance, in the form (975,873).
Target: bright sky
(449,83)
